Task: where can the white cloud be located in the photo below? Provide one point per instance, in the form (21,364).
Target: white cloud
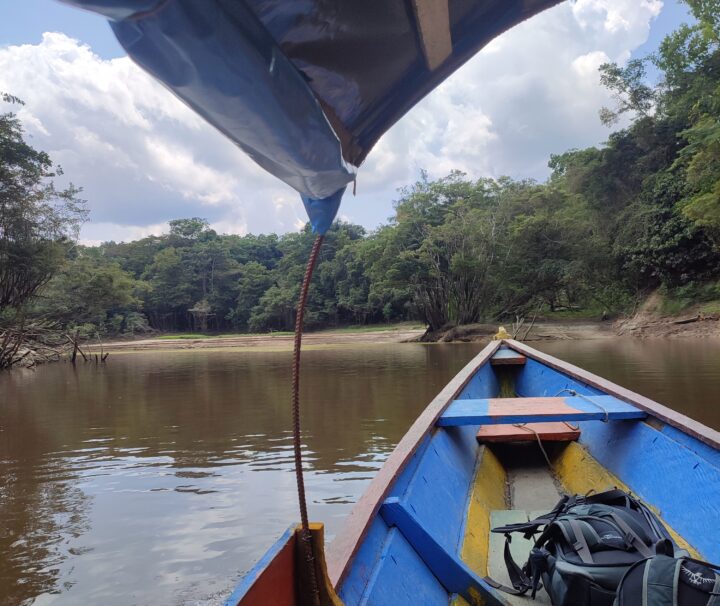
(97,232)
(144,158)
(586,66)
(141,156)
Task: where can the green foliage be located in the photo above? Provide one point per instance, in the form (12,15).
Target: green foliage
(629,89)
(38,223)
(95,293)
(188,229)
(613,222)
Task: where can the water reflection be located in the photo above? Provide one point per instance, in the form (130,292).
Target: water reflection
(683,374)
(160,478)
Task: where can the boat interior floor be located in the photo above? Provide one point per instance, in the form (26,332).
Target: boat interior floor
(531,490)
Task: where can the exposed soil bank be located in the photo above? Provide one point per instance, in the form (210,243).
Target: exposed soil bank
(272,342)
(648,322)
(541,331)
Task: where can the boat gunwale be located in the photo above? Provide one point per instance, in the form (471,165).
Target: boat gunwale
(343,548)
(678,420)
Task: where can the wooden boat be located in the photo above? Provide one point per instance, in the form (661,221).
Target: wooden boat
(420,534)
(307,89)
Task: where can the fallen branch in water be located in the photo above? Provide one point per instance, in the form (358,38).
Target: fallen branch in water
(29,344)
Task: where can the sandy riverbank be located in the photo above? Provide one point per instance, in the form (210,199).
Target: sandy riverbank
(647,323)
(272,342)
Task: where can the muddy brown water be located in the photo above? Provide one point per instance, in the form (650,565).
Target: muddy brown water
(161,477)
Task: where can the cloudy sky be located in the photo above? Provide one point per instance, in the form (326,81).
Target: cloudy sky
(142,158)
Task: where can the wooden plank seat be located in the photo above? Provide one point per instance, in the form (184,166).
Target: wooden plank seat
(499,411)
(505,356)
(547,432)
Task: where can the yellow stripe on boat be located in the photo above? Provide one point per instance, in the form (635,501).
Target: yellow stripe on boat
(488,494)
(580,473)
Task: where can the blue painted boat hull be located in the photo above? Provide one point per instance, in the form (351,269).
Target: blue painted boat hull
(419,534)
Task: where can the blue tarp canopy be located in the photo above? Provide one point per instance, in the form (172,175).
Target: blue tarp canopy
(306,87)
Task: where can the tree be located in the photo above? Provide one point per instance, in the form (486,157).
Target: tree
(188,229)
(94,293)
(38,223)
(254,280)
(630,91)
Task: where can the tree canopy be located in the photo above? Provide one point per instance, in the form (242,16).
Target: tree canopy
(611,223)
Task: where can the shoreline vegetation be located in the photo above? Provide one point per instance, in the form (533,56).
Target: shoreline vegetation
(627,229)
(648,323)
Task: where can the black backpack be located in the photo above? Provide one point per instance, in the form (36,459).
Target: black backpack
(666,581)
(586,546)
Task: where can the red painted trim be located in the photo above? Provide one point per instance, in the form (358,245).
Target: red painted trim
(276,583)
(501,407)
(683,423)
(341,551)
(529,432)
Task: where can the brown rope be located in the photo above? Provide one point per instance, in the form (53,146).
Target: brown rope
(306,537)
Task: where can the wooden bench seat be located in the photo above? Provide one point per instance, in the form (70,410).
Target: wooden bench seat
(548,432)
(505,411)
(506,356)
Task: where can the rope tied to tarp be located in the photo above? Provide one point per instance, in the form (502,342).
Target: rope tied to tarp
(305,536)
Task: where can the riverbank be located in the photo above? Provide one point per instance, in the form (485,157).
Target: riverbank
(650,321)
(546,330)
(398,333)
(647,323)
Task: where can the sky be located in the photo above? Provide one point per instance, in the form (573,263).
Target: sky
(143,158)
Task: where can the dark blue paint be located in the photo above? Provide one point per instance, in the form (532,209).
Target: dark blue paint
(366,563)
(483,384)
(435,487)
(436,484)
(401,577)
(367,559)
(450,570)
(437,494)
(703,450)
(535,379)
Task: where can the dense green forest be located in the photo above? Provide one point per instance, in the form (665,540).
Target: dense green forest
(611,224)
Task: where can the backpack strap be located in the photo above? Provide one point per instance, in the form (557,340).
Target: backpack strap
(530,527)
(715,596)
(715,592)
(580,544)
(520,581)
(631,536)
(660,581)
(525,578)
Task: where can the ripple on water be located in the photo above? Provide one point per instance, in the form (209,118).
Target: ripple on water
(160,479)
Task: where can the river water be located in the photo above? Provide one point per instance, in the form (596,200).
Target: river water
(160,478)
